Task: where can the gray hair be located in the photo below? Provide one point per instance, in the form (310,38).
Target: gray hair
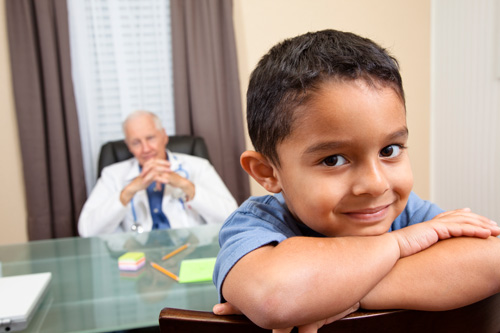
(139,113)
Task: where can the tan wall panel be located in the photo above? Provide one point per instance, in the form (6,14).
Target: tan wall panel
(12,197)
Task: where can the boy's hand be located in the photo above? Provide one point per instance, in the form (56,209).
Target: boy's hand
(456,223)
(314,327)
(229,309)
(224,309)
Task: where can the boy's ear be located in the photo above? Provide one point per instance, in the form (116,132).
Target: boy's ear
(258,166)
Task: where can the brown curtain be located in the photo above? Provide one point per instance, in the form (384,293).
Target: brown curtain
(47,117)
(206,84)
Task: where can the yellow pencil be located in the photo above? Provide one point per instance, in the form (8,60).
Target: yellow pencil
(164,271)
(174,252)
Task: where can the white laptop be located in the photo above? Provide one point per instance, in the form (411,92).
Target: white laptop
(20,296)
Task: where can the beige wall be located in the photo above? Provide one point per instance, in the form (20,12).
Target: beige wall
(12,198)
(401,26)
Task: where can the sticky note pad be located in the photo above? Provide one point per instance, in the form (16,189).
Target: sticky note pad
(196,270)
(131,261)
(127,274)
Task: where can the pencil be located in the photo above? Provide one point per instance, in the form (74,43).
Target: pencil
(174,252)
(164,271)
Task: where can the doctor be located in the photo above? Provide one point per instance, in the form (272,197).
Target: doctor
(156,189)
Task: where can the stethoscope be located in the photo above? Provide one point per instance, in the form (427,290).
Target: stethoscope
(136,226)
(180,170)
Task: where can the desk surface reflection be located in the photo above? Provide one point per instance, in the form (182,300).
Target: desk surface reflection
(88,292)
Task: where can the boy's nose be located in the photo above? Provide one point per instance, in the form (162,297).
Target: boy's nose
(371,179)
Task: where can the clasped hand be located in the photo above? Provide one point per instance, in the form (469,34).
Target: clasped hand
(159,171)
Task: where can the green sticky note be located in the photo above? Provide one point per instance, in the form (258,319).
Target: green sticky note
(196,270)
(131,257)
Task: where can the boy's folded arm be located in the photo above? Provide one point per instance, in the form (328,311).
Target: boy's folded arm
(304,279)
(450,274)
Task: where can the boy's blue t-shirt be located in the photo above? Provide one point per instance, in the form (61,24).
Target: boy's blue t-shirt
(264,220)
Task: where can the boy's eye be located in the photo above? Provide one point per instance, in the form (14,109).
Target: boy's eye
(391,151)
(334,160)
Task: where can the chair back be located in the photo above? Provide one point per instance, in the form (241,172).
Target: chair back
(189,321)
(478,317)
(117,151)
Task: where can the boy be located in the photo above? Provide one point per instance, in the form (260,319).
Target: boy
(326,115)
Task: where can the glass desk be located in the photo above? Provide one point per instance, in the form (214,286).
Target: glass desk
(88,293)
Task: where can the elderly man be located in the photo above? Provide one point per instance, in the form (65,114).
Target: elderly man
(155,189)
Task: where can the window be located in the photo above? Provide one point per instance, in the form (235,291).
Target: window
(121,61)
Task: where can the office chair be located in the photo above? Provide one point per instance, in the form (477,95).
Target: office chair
(478,317)
(189,321)
(117,151)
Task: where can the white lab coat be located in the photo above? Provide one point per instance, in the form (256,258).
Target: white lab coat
(103,213)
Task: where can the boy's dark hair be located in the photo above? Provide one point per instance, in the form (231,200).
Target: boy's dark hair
(292,69)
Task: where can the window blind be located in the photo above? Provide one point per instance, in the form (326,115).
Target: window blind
(121,62)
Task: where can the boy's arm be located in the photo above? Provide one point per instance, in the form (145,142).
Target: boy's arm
(303,280)
(450,274)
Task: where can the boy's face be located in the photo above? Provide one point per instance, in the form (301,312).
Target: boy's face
(344,170)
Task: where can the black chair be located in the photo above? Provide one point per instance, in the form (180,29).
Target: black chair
(117,151)
(478,317)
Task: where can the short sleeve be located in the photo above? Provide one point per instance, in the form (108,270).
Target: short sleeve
(258,222)
(416,211)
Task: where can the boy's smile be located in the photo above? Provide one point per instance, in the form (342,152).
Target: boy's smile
(344,169)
